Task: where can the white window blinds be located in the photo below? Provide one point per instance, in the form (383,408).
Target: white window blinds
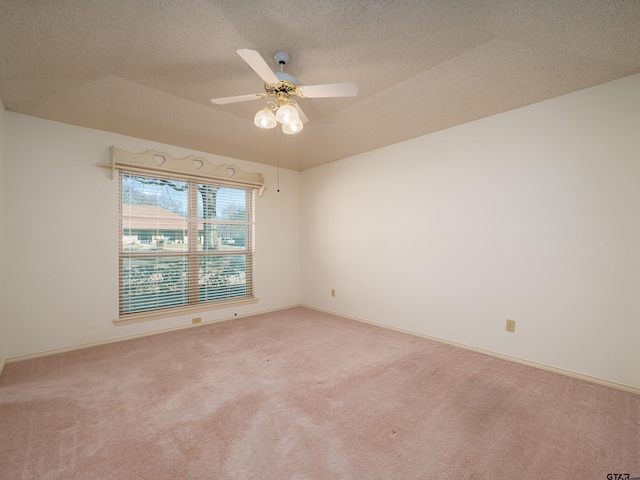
(183,243)
(186,234)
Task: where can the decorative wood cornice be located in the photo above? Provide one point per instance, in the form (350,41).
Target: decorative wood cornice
(190,167)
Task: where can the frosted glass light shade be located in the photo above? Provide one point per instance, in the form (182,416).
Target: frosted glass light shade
(265,119)
(294,126)
(286,113)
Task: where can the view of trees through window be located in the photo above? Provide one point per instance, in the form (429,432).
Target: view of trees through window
(183,243)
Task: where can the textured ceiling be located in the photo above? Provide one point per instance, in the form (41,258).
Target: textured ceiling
(148,68)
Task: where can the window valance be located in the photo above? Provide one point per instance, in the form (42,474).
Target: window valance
(189,168)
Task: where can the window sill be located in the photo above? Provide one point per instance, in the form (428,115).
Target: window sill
(178,311)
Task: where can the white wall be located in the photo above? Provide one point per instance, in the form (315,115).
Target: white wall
(61,237)
(3,342)
(531,215)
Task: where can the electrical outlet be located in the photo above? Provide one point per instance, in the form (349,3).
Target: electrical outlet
(511,326)
(333,292)
(196,320)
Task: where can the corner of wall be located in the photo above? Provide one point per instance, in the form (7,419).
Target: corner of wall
(529,215)
(2,327)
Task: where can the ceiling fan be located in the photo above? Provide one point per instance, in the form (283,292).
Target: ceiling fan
(283,87)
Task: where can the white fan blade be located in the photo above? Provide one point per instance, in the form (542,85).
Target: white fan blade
(255,61)
(237,98)
(346,89)
(301,114)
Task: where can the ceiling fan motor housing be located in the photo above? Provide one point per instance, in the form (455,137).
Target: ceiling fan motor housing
(287,78)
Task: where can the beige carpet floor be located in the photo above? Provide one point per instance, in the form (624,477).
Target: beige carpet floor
(299,394)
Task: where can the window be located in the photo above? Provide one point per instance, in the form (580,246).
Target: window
(183,244)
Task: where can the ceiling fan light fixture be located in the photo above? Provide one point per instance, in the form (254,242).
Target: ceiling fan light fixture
(294,126)
(265,118)
(286,113)
(282,86)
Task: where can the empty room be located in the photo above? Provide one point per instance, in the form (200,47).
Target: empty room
(370,239)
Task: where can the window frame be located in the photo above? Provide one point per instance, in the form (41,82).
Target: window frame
(182,170)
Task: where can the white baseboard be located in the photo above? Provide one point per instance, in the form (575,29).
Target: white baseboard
(549,368)
(139,335)
(568,373)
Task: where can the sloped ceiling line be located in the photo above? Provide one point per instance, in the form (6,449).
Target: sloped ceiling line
(149,69)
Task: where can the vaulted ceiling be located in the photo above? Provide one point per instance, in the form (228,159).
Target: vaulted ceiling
(148,68)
